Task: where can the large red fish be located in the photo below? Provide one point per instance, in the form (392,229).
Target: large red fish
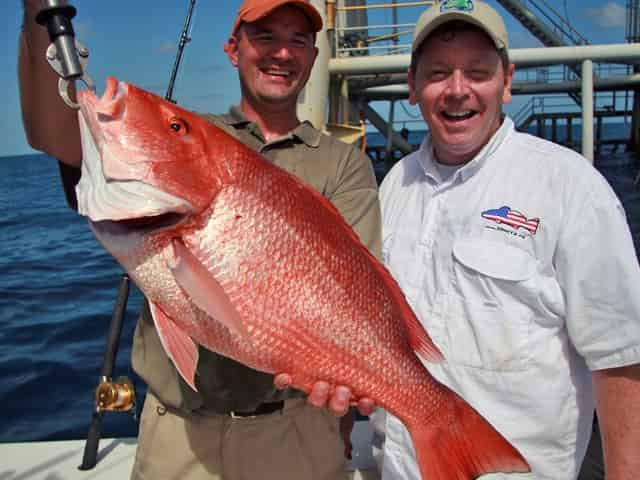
(237,255)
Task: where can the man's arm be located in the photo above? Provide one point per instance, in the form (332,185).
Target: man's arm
(49,124)
(617,393)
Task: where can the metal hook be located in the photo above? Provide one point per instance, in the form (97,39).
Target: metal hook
(59,66)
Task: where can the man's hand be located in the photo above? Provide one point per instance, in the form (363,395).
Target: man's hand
(337,400)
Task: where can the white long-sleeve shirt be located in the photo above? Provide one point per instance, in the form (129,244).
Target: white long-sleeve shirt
(522,269)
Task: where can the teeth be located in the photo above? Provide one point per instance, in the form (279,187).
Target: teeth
(278,73)
(459,114)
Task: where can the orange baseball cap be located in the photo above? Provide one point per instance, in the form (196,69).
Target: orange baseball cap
(252,10)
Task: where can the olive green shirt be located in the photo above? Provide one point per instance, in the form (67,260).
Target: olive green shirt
(344,175)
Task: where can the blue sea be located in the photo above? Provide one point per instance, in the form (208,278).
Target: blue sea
(57,292)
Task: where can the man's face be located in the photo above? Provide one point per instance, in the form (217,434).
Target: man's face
(460,85)
(274,56)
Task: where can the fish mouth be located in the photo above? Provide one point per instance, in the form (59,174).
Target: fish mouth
(140,225)
(158,222)
(110,106)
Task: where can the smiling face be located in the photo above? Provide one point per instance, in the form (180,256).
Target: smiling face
(274,56)
(460,83)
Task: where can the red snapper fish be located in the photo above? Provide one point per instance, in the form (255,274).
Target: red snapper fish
(241,257)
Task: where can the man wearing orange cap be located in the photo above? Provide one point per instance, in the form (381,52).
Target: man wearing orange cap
(238,426)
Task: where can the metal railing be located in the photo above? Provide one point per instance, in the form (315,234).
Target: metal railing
(376,36)
(556,74)
(539,106)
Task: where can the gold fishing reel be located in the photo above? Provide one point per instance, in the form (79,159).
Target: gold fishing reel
(115,395)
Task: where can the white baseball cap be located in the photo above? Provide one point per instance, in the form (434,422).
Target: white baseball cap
(474,12)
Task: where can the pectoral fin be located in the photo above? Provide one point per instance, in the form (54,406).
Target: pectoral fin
(203,289)
(182,351)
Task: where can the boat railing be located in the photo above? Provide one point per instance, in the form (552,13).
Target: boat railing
(557,73)
(609,103)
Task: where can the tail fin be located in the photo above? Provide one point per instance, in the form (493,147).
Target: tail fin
(463,446)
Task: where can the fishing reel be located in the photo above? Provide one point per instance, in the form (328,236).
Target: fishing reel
(115,395)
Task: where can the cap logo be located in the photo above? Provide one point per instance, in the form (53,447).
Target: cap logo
(459,5)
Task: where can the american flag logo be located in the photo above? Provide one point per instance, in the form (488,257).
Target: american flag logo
(512,218)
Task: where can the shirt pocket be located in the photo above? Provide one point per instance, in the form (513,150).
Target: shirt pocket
(487,327)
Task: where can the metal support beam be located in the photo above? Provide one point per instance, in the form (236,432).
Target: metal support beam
(625,82)
(587,110)
(314,98)
(379,122)
(521,58)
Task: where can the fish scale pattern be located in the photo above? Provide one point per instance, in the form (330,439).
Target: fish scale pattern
(316,306)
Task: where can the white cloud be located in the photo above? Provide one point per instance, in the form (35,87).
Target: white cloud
(610,15)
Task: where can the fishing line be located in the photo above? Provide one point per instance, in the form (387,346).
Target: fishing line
(185,37)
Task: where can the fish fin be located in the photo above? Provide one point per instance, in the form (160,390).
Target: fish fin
(203,289)
(462,445)
(420,340)
(180,348)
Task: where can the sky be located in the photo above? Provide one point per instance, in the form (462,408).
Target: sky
(136,41)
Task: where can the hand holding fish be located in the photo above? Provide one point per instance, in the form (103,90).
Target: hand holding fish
(336,399)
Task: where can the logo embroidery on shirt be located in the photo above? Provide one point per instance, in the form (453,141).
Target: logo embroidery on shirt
(505,215)
(460,5)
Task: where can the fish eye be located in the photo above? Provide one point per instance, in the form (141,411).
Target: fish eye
(178,125)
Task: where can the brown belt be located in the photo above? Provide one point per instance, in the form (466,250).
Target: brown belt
(263,409)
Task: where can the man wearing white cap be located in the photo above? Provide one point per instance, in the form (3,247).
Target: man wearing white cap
(517,258)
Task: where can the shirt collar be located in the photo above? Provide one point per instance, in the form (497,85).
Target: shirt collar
(303,132)
(426,156)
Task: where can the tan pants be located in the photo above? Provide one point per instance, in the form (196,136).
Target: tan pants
(300,443)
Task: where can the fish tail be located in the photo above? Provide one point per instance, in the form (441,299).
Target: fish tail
(462,445)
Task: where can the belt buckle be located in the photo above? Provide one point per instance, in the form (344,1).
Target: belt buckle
(235,416)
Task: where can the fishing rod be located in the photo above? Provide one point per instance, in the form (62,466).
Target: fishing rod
(115,396)
(69,62)
(184,39)
(69,58)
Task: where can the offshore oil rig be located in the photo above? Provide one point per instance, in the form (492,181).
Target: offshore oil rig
(574,88)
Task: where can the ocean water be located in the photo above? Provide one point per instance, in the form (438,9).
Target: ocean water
(57,291)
